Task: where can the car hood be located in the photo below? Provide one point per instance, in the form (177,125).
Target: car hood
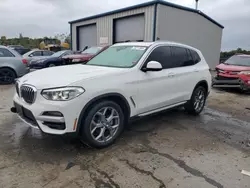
(65,75)
(232,67)
(79,56)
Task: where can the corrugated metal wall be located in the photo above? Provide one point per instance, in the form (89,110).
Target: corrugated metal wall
(191,29)
(105,25)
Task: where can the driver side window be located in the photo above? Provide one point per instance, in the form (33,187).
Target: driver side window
(162,55)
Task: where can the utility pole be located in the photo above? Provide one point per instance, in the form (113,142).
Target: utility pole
(196,4)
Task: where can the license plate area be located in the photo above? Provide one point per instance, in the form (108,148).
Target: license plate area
(25,114)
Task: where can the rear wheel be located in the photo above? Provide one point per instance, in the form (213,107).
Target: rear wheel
(103,124)
(7,76)
(197,102)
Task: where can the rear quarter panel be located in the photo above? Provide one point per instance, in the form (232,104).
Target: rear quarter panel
(14,63)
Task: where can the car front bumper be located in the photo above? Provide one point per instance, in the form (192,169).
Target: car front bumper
(230,82)
(35,114)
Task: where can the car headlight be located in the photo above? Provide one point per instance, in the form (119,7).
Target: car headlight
(245,72)
(62,94)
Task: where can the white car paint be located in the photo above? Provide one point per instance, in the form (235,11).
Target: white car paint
(145,92)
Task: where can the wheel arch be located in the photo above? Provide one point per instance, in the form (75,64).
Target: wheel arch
(202,83)
(116,97)
(6,67)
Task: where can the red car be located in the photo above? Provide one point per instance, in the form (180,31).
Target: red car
(234,73)
(84,56)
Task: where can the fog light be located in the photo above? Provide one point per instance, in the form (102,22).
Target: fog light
(52,113)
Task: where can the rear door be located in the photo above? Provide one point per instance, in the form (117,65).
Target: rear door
(184,71)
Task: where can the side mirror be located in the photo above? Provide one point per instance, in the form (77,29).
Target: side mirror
(31,55)
(152,66)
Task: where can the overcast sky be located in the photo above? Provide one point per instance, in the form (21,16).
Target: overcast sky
(39,18)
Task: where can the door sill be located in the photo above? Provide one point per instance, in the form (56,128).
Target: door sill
(161,109)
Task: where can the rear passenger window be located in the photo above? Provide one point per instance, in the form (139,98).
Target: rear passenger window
(37,53)
(181,57)
(195,56)
(162,55)
(5,53)
(47,53)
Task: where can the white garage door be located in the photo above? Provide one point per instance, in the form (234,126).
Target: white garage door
(87,36)
(129,29)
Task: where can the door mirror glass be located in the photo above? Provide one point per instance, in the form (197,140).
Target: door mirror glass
(153,66)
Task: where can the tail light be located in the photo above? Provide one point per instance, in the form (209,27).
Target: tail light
(25,61)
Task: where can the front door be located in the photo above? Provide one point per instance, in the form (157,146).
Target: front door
(157,89)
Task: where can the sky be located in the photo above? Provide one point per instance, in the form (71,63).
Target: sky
(39,18)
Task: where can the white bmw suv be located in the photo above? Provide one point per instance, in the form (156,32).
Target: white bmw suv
(96,100)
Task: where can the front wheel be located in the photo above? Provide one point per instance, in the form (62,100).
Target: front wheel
(197,102)
(103,124)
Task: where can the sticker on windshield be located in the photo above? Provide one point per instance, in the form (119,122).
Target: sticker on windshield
(138,48)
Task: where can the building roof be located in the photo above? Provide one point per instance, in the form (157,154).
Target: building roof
(154,2)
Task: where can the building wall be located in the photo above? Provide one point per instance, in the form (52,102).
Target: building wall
(190,28)
(105,25)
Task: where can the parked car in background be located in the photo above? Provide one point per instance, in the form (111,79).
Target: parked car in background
(234,73)
(127,80)
(20,49)
(37,54)
(12,65)
(54,60)
(84,56)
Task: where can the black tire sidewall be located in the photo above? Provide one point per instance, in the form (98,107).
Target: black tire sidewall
(85,129)
(13,75)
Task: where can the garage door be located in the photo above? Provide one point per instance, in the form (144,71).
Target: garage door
(129,29)
(87,36)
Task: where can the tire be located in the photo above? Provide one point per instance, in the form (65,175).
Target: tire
(193,106)
(7,76)
(95,124)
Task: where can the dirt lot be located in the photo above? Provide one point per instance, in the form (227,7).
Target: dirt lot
(171,149)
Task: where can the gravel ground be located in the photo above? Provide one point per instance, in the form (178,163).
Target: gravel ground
(170,149)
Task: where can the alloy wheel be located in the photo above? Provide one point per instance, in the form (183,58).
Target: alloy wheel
(6,76)
(199,100)
(105,124)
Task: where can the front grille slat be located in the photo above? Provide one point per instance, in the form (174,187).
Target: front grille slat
(225,78)
(28,93)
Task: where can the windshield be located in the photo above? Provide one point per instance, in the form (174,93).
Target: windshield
(58,54)
(238,60)
(119,56)
(92,50)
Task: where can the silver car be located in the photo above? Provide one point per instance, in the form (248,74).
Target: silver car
(37,54)
(12,65)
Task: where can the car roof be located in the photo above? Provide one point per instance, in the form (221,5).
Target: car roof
(148,44)
(243,55)
(134,44)
(1,46)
